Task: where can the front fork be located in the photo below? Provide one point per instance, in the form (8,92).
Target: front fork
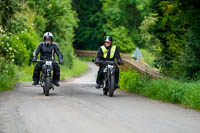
(44,75)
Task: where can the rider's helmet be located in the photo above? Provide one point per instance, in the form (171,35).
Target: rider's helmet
(48,36)
(108,39)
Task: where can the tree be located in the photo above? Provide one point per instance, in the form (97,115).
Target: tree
(8,8)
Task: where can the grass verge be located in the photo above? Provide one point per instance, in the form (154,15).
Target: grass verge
(172,91)
(86,58)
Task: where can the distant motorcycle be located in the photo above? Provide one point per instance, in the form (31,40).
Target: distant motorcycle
(45,77)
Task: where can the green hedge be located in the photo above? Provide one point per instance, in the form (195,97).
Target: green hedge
(7,75)
(173,91)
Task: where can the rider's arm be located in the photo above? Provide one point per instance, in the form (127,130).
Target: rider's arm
(118,57)
(99,55)
(57,50)
(36,52)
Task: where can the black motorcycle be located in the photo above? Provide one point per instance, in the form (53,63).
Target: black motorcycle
(45,77)
(109,77)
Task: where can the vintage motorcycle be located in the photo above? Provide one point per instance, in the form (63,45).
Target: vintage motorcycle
(45,77)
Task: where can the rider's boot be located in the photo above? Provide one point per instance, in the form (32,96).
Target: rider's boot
(56,83)
(98,86)
(35,83)
(117,86)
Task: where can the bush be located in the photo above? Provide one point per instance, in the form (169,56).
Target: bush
(18,44)
(191,96)
(7,75)
(131,81)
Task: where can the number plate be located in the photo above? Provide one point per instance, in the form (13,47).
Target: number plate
(48,63)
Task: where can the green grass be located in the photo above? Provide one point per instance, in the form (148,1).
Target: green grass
(25,73)
(78,68)
(86,58)
(172,91)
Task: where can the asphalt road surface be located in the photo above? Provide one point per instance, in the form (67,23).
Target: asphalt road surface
(77,107)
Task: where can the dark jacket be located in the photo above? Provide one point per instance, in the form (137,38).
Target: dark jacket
(47,52)
(101,58)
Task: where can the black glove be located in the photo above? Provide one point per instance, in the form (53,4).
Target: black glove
(34,59)
(61,61)
(97,62)
(120,63)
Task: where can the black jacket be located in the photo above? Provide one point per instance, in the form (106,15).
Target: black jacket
(101,58)
(47,51)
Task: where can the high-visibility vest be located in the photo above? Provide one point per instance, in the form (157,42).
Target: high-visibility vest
(105,51)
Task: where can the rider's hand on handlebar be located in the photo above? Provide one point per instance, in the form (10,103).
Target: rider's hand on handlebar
(34,59)
(61,61)
(120,63)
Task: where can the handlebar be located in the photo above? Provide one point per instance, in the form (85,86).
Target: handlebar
(47,60)
(108,62)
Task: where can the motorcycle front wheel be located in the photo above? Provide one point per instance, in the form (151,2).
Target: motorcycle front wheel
(47,86)
(111,85)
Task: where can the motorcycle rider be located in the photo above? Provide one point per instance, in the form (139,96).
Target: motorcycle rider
(107,52)
(47,49)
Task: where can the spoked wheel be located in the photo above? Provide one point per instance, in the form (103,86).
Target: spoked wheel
(111,85)
(47,86)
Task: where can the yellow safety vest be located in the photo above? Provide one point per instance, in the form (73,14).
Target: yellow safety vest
(105,51)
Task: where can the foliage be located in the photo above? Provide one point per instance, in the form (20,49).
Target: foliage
(122,40)
(131,81)
(109,17)
(7,75)
(8,8)
(89,34)
(178,32)
(149,40)
(18,44)
(149,57)
(173,91)
(79,67)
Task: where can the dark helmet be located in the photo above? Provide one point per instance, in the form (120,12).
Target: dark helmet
(108,39)
(48,35)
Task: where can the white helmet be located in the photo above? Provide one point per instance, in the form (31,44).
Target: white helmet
(48,35)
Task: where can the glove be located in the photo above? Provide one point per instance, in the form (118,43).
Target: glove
(61,61)
(34,59)
(120,63)
(97,62)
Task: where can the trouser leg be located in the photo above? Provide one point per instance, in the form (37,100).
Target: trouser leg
(117,75)
(100,76)
(36,73)
(56,72)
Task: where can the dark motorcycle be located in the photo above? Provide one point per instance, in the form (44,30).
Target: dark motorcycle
(109,77)
(45,77)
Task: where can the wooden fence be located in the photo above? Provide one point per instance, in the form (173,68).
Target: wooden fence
(138,65)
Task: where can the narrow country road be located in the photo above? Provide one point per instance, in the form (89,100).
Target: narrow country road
(77,107)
